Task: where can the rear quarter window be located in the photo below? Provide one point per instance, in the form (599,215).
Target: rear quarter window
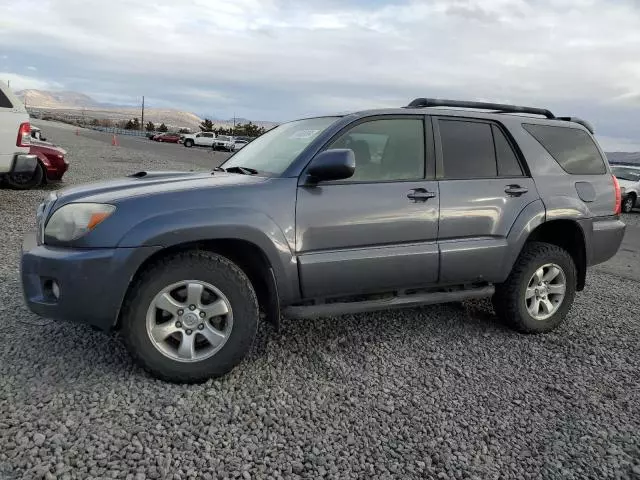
(573,149)
(4,101)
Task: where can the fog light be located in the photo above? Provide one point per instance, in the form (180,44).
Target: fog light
(55,289)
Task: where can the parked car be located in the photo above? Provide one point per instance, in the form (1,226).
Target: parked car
(151,135)
(629,178)
(324,216)
(202,139)
(51,167)
(238,144)
(167,137)
(15,137)
(223,142)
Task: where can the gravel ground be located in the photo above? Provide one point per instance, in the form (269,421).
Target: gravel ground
(434,392)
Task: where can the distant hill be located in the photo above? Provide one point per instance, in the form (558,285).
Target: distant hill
(624,157)
(45,99)
(77,105)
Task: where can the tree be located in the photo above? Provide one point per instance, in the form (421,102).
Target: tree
(163,128)
(151,127)
(206,125)
(95,122)
(128,125)
(184,130)
(136,124)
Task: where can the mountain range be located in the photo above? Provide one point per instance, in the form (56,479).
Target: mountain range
(76,104)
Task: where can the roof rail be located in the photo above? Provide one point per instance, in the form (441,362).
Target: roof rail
(502,108)
(579,121)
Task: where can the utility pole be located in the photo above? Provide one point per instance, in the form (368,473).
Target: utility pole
(234,124)
(142,122)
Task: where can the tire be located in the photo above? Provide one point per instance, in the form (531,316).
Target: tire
(25,182)
(188,143)
(510,301)
(628,203)
(160,358)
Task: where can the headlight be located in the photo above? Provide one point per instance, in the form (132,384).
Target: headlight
(76,219)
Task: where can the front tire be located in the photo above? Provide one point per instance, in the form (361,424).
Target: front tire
(628,203)
(23,181)
(188,143)
(190,317)
(539,292)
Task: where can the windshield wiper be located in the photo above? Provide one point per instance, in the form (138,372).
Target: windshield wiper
(243,170)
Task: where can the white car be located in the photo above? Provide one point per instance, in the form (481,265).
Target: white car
(15,137)
(238,144)
(202,139)
(223,142)
(629,179)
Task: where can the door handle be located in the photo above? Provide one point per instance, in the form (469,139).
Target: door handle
(515,190)
(420,194)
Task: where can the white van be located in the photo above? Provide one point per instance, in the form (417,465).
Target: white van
(15,136)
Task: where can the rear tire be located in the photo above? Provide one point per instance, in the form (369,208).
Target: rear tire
(628,203)
(530,300)
(161,353)
(26,182)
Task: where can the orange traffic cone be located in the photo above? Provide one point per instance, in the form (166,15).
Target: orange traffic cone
(114,141)
(77,131)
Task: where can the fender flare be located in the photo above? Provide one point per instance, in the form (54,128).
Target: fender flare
(170,229)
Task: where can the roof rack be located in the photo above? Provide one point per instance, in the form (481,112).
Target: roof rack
(498,107)
(502,108)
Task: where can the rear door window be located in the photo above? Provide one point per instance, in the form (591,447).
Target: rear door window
(573,149)
(508,165)
(467,150)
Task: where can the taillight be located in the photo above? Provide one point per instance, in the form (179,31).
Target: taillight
(24,135)
(617,209)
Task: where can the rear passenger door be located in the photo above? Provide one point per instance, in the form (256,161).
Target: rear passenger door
(483,188)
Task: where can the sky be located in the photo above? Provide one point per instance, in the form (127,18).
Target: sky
(282,59)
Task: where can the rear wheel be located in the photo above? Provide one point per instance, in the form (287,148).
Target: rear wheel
(539,291)
(188,143)
(191,317)
(26,181)
(628,203)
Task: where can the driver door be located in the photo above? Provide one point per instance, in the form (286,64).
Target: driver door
(376,231)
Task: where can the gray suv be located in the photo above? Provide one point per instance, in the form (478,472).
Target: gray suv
(440,201)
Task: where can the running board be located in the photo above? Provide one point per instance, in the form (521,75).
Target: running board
(344,308)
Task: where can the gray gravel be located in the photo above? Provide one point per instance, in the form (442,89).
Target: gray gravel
(439,392)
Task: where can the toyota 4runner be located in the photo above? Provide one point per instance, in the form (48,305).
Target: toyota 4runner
(436,202)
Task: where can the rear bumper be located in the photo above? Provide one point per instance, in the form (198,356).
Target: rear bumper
(604,237)
(24,164)
(91,283)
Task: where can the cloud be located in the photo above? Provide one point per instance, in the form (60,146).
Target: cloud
(283,58)
(32,68)
(21,82)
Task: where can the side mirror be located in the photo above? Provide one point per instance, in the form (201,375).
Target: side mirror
(335,164)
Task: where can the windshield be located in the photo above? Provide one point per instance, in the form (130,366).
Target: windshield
(274,151)
(627,174)
(224,138)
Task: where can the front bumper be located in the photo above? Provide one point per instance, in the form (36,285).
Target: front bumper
(24,164)
(91,283)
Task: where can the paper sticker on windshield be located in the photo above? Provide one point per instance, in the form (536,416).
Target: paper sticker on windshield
(304,133)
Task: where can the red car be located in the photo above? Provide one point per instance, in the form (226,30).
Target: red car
(51,167)
(167,137)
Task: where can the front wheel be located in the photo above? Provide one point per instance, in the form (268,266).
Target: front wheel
(628,203)
(190,317)
(26,181)
(537,295)
(188,143)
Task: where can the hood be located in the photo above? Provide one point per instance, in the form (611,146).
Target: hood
(150,183)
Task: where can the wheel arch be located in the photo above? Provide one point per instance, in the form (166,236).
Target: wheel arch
(248,256)
(568,235)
